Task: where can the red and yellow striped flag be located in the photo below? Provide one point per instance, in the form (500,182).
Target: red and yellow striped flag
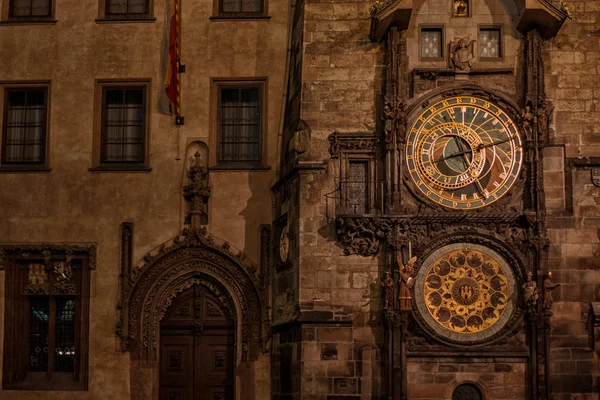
(172,76)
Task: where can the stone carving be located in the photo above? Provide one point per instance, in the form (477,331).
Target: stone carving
(192,258)
(360,236)
(301,141)
(596,176)
(544,118)
(406,282)
(389,121)
(37,279)
(462,54)
(197,191)
(548,288)
(351,141)
(25,250)
(530,292)
(527,117)
(388,287)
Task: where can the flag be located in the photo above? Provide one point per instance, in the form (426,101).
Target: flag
(172,74)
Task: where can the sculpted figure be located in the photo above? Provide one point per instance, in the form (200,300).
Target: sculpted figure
(462,55)
(406,282)
(530,291)
(388,125)
(527,117)
(388,287)
(460,8)
(548,288)
(544,117)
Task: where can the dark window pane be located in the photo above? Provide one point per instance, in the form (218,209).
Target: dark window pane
(240,125)
(24,126)
(38,333)
(127,7)
(30,8)
(467,391)
(240,6)
(123,126)
(65,335)
(357,184)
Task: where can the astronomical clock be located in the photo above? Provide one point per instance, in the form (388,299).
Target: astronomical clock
(452,201)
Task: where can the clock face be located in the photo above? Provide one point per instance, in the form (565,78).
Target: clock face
(284,244)
(465,292)
(464,152)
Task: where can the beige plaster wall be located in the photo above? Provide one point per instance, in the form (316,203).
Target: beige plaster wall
(70,204)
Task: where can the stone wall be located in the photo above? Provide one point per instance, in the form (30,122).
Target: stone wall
(573,203)
(71,204)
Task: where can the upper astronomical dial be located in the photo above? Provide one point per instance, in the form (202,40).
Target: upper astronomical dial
(464,152)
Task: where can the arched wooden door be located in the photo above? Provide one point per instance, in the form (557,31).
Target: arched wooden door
(196,349)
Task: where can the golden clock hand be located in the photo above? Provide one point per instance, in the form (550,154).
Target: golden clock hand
(478,148)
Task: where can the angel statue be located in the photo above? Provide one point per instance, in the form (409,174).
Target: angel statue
(462,55)
(406,282)
(530,291)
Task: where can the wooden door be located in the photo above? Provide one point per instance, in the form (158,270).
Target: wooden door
(196,349)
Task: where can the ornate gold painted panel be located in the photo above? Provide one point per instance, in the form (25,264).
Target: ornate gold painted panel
(464,152)
(465,292)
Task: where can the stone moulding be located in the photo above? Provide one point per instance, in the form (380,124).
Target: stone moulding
(67,249)
(191,258)
(534,14)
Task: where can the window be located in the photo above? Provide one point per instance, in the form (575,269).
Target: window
(432,43)
(240,124)
(240,7)
(47,302)
(123,138)
(24,126)
(126,8)
(30,9)
(490,43)
(357,187)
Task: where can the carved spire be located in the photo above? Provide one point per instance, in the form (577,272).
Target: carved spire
(197,192)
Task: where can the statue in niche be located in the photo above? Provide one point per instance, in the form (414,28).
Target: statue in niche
(461,8)
(389,120)
(530,291)
(527,117)
(406,282)
(197,191)
(544,117)
(462,54)
(548,288)
(401,118)
(388,286)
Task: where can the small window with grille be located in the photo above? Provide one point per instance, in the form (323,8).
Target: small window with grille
(490,43)
(47,300)
(240,125)
(30,9)
(127,8)
(357,185)
(24,126)
(124,115)
(432,43)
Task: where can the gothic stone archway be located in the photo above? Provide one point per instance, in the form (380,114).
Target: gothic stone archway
(192,259)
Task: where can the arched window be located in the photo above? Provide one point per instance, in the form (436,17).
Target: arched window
(467,391)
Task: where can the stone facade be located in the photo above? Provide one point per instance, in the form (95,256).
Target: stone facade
(323,306)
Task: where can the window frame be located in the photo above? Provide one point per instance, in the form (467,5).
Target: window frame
(217,86)
(219,14)
(105,16)
(433,27)
(38,166)
(100,164)
(16,374)
(500,43)
(10,17)
(369,158)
